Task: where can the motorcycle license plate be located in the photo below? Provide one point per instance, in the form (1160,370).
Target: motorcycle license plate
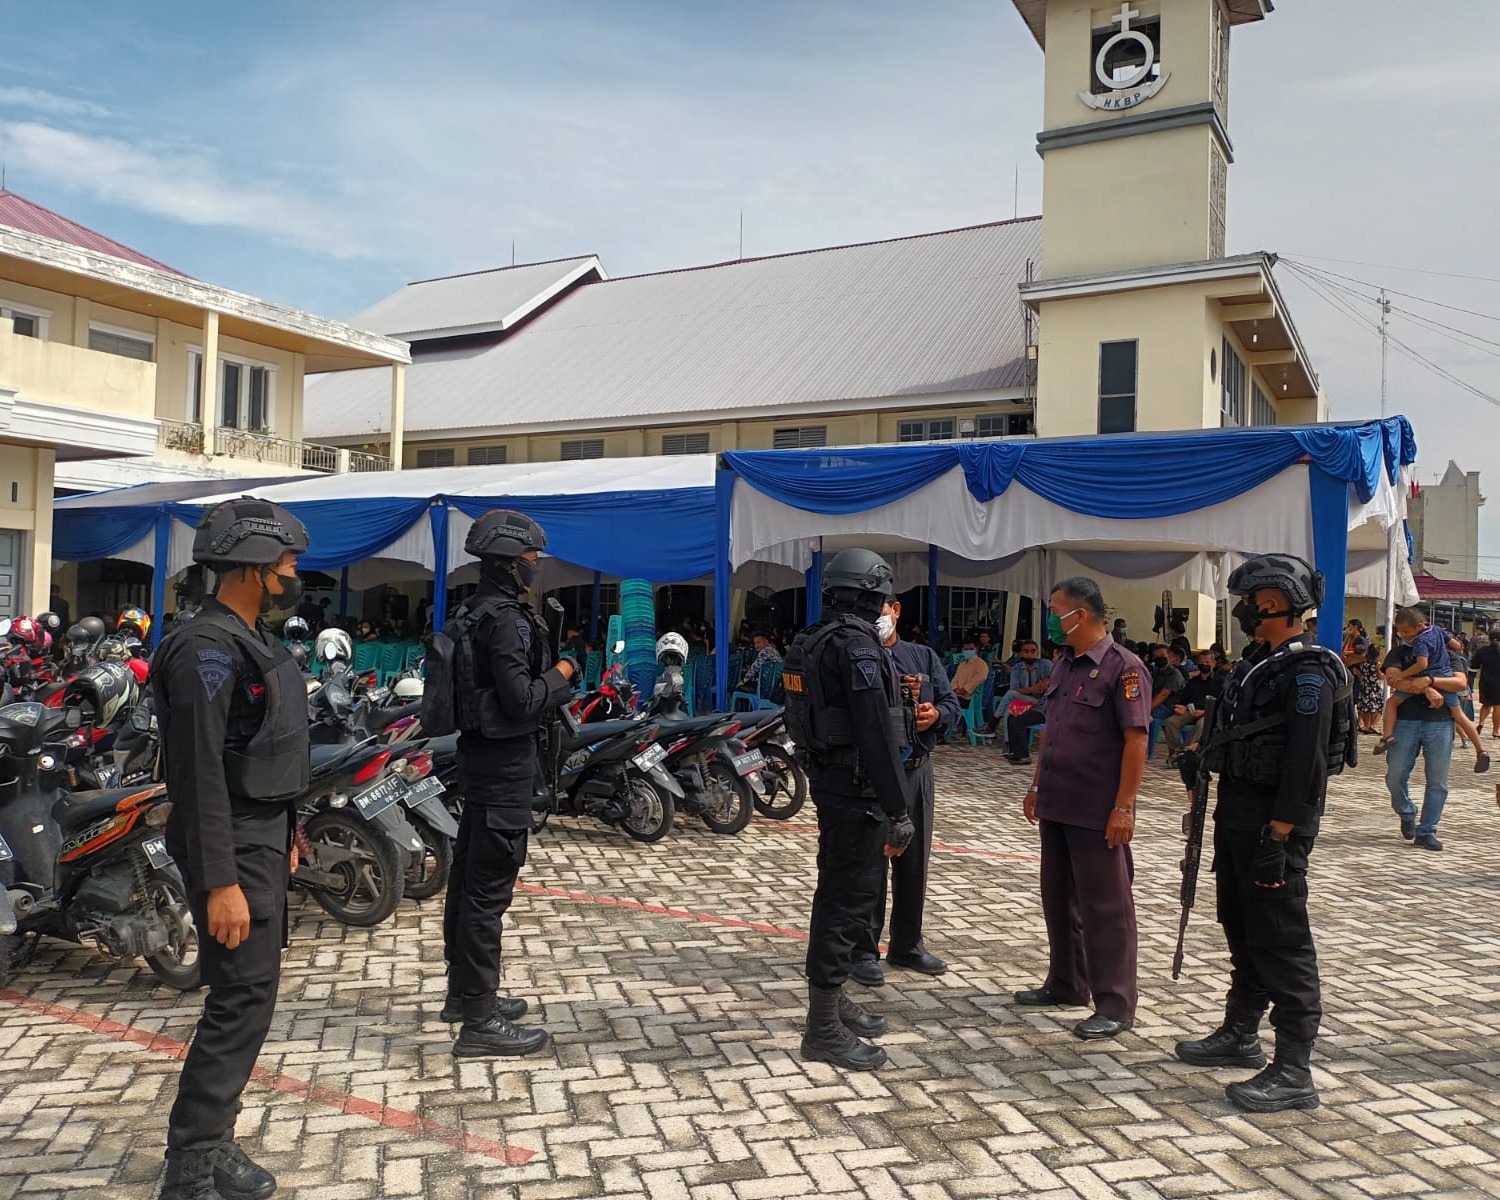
(650,756)
(751,760)
(156,852)
(421,791)
(374,801)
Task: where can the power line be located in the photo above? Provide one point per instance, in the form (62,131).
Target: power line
(1376,287)
(1463,336)
(1354,262)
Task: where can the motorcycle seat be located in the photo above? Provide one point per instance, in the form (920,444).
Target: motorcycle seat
(383,718)
(760,718)
(323,758)
(690,724)
(601,731)
(79,808)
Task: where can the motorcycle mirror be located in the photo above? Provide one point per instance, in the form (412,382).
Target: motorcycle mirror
(4,626)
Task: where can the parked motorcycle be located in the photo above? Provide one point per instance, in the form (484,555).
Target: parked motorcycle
(89,867)
(783,779)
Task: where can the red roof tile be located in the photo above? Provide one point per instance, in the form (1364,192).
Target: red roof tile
(20,213)
(1429,587)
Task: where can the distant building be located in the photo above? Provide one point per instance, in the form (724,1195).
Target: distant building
(1444,521)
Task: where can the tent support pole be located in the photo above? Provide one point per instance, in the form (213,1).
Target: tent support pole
(932,595)
(813,609)
(438,515)
(1330,522)
(161,562)
(594,612)
(723,506)
(344,594)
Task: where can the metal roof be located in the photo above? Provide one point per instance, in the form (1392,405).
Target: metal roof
(1431,588)
(477,302)
(21,213)
(914,316)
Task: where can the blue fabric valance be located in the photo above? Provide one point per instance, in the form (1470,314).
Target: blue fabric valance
(1126,477)
(84,534)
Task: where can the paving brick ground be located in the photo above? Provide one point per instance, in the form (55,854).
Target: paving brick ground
(670,976)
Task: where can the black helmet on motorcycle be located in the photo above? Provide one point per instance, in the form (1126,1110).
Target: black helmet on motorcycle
(247,533)
(858,581)
(102,692)
(86,633)
(1287,573)
(296,630)
(501,533)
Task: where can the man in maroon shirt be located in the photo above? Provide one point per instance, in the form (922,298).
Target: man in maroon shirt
(1083,796)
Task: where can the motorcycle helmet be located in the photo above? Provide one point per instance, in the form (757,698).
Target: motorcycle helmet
(49,621)
(135,621)
(408,689)
(670,645)
(102,692)
(27,632)
(334,645)
(296,630)
(114,649)
(134,647)
(299,655)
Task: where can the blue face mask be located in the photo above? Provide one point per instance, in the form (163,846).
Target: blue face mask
(970,653)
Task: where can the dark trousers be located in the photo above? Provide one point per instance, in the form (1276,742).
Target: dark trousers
(1090,913)
(851,882)
(1018,732)
(908,873)
(1271,953)
(239,1006)
(487,858)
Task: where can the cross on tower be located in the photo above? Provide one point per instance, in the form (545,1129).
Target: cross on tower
(1126,15)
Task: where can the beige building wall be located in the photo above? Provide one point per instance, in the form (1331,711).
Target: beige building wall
(1179,332)
(1445,525)
(26,475)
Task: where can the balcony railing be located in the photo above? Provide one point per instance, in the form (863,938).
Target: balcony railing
(187,437)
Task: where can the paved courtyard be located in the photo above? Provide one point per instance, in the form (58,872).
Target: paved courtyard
(670,977)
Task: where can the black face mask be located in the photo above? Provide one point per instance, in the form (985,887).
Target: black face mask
(291,591)
(525,571)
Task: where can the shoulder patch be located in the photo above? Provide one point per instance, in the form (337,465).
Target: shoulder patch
(523,628)
(866,675)
(209,654)
(863,652)
(1130,681)
(213,675)
(1309,693)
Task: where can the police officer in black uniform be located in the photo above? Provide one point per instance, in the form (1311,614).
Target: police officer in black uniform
(502,643)
(844,712)
(233,716)
(1285,723)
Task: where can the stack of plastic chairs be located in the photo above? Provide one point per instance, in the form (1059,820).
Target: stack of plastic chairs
(638,615)
(367,657)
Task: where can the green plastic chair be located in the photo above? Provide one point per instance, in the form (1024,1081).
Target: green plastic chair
(367,657)
(974,720)
(392,661)
(593,670)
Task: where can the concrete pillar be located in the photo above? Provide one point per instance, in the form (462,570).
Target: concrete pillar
(210,413)
(398,414)
(81,309)
(341,461)
(729,436)
(39,576)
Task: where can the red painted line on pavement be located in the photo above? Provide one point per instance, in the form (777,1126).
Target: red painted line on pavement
(943,846)
(391,1118)
(661,910)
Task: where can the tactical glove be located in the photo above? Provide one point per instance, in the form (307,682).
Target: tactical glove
(1270,860)
(899,836)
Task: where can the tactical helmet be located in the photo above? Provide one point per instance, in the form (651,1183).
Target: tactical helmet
(334,645)
(137,619)
(247,533)
(295,630)
(1286,573)
(669,644)
(501,533)
(859,579)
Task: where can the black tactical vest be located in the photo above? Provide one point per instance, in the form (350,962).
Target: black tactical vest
(818,724)
(1249,741)
(275,764)
(476,702)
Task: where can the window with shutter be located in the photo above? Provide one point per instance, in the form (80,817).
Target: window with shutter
(487,456)
(583,448)
(800,437)
(435,458)
(684,443)
(107,341)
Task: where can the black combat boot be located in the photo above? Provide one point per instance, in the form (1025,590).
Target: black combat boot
(1236,1043)
(857,1020)
(828,1040)
(190,1175)
(512,1008)
(238,1177)
(1286,1083)
(486,1034)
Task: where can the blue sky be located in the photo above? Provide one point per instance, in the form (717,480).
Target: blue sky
(322,154)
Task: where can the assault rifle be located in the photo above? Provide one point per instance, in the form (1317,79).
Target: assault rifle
(1192,827)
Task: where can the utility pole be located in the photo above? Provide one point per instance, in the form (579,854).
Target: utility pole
(1385,314)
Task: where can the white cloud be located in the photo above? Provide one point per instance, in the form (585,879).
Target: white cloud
(180,184)
(49,102)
